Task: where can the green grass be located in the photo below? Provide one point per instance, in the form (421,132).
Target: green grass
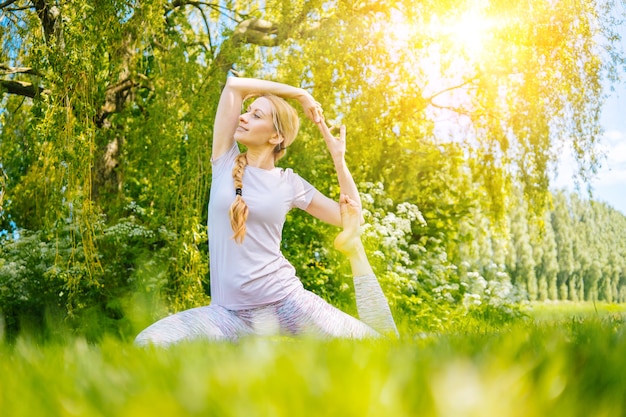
(568,364)
(554,311)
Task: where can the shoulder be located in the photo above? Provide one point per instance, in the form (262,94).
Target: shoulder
(291,176)
(225,160)
(230,153)
(298,184)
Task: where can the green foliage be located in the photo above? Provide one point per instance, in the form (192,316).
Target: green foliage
(105,169)
(30,283)
(41,275)
(426,288)
(575,253)
(531,369)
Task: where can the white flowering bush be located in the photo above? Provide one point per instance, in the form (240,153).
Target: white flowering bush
(45,273)
(31,286)
(420,282)
(492,289)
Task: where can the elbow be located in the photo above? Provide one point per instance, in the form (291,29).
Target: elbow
(241,87)
(231,83)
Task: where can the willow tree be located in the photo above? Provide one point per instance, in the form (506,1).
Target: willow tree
(108,106)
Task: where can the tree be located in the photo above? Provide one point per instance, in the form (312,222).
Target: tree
(547,266)
(522,261)
(107,111)
(564,236)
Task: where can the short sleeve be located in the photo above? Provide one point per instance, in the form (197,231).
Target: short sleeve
(225,161)
(303,192)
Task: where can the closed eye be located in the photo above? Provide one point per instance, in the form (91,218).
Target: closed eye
(256,113)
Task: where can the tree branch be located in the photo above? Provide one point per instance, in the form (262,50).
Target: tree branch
(206,25)
(115,98)
(21,88)
(454,109)
(7,3)
(17,70)
(220,9)
(454,87)
(258,32)
(19,9)
(50,17)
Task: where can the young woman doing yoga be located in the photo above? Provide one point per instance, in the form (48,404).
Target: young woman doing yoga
(254,289)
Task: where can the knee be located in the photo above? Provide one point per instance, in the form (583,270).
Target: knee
(150,337)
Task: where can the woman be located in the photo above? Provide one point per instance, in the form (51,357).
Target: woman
(254,289)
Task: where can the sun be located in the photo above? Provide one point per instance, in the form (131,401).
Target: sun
(469,33)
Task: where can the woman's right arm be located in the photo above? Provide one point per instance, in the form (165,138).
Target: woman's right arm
(231,100)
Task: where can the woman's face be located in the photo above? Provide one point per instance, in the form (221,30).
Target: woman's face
(256,126)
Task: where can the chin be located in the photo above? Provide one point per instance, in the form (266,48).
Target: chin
(237,136)
(240,140)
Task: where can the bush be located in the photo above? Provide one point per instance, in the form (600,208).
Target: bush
(94,292)
(427,290)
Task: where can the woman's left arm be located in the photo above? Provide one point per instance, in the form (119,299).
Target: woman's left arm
(321,206)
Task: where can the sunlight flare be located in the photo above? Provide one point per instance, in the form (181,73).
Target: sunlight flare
(469,33)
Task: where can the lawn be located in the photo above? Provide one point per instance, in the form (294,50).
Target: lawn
(565,360)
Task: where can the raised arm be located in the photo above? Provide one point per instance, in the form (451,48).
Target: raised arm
(231,100)
(337,148)
(321,206)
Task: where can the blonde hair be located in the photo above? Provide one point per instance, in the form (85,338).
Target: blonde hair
(286,124)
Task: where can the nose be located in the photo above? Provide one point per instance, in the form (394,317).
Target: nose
(242,118)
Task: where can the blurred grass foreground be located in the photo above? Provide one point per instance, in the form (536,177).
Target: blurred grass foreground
(562,360)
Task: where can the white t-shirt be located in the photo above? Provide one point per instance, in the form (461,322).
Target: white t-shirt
(255,272)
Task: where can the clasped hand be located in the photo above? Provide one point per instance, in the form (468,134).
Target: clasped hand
(336,144)
(313,110)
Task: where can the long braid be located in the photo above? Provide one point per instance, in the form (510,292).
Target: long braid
(239,209)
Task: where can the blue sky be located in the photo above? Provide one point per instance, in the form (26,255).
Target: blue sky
(609,185)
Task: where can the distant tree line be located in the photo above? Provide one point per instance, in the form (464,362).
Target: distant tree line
(577,252)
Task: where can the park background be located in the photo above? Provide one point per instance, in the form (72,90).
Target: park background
(474,131)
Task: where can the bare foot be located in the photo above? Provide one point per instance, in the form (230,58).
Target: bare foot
(348,241)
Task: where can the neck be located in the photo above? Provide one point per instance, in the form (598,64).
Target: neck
(261,158)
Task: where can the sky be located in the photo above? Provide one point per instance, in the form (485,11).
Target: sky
(609,186)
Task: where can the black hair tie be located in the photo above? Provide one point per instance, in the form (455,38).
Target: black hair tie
(238,191)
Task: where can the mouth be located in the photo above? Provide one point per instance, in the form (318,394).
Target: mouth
(241,128)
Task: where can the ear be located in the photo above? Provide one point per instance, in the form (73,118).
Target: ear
(276,139)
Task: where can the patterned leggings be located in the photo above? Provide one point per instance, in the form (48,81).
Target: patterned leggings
(300,313)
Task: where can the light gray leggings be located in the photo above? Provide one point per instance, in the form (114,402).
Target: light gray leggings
(300,313)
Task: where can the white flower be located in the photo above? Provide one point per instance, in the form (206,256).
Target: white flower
(470,300)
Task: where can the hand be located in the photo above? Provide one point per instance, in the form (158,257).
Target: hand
(336,144)
(349,210)
(348,241)
(351,216)
(312,109)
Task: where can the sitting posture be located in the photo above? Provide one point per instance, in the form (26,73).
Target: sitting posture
(254,289)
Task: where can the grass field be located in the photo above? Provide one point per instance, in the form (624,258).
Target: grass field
(565,360)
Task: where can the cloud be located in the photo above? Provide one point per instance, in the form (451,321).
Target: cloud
(613,170)
(613,136)
(609,185)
